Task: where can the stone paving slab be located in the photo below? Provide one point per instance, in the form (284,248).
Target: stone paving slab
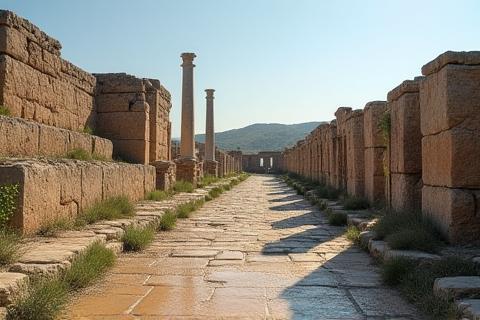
(257,252)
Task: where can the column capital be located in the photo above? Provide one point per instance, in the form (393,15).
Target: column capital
(187,58)
(209,93)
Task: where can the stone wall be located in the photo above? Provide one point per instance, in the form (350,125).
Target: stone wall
(405,148)
(427,162)
(22,138)
(374,151)
(450,125)
(261,162)
(52,189)
(36,83)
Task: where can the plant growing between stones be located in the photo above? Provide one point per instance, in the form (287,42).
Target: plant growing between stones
(137,238)
(167,221)
(158,195)
(215,192)
(4,111)
(183,186)
(406,230)
(113,208)
(356,203)
(87,130)
(337,218)
(416,282)
(9,246)
(353,234)
(45,297)
(207,180)
(385,126)
(89,266)
(52,228)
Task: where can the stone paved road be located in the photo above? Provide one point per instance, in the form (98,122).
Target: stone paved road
(257,252)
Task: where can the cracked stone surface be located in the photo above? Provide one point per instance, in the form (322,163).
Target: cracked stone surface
(259,251)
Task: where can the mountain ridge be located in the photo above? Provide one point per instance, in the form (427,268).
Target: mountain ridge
(262,136)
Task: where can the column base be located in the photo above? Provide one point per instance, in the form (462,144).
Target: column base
(166,174)
(210,167)
(188,170)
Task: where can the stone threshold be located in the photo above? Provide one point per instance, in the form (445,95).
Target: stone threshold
(48,256)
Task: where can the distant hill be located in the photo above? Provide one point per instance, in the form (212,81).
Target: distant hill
(261,136)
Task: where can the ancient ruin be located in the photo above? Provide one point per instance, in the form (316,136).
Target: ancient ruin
(410,152)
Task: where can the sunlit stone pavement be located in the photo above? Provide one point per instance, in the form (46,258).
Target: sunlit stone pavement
(257,252)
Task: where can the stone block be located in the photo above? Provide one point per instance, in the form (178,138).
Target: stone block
(53,142)
(446,157)
(165,174)
(51,189)
(102,147)
(123,125)
(450,98)
(406,192)
(456,287)
(187,170)
(372,115)
(374,178)
(135,151)
(405,137)
(455,211)
(11,284)
(115,102)
(18,138)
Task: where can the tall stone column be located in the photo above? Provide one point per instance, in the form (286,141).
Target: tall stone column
(211,166)
(187,142)
(188,168)
(209,129)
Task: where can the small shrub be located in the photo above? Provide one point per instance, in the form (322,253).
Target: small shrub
(52,228)
(417,285)
(394,270)
(215,192)
(327,192)
(208,198)
(353,234)
(8,202)
(413,239)
(207,180)
(4,111)
(112,208)
(79,154)
(356,203)
(184,210)
(183,186)
(322,205)
(227,187)
(87,130)
(158,195)
(137,238)
(168,221)
(89,266)
(9,246)
(43,299)
(337,219)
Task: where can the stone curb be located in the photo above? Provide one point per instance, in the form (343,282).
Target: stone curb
(48,256)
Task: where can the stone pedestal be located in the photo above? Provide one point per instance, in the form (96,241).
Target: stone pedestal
(188,170)
(166,174)
(211,168)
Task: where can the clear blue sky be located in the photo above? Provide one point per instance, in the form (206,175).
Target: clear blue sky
(269,60)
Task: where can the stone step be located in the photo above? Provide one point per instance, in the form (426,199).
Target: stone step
(470,308)
(457,287)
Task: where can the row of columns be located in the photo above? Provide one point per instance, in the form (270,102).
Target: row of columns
(413,152)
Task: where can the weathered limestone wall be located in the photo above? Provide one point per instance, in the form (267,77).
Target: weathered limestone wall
(52,189)
(251,162)
(36,83)
(374,151)
(22,138)
(123,115)
(355,154)
(429,160)
(405,165)
(450,124)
